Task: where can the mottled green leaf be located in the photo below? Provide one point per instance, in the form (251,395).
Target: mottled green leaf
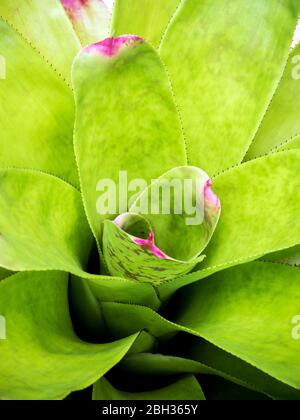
(281,122)
(290,256)
(118,289)
(186,388)
(146,18)
(201,357)
(43,227)
(126,121)
(248,311)
(37,111)
(219,389)
(291,144)
(46,28)
(42,358)
(90,19)
(260,208)
(232,368)
(125,319)
(4,273)
(225,60)
(42,223)
(183,213)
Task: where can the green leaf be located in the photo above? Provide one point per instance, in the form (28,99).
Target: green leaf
(256,219)
(42,358)
(281,122)
(91,19)
(46,229)
(138,133)
(248,312)
(290,256)
(46,28)
(260,212)
(37,111)
(219,389)
(186,388)
(146,18)
(42,223)
(4,273)
(291,144)
(123,290)
(229,367)
(123,320)
(161,364)
(183,213)
(203,358)
(225,60)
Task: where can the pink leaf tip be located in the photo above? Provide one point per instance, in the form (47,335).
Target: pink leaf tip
(210,196)
(149,243)
(109,47)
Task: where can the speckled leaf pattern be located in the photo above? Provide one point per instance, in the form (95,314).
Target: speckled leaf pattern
(232,55)
(281,123)
(91,19)
(125,258)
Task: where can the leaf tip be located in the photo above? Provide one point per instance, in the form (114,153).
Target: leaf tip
(210,197)
(110,47)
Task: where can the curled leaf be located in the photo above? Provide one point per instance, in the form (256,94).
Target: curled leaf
(166,229)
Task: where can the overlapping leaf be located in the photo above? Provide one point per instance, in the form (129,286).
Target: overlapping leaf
(42,223)
(199,357)
(146,18)
(42,358)
(126,121)
(37,111)
(181,214)
(90,19)
(45,26)
(186,388)
(281,122)
(259,215)
(232,55)
(248,312)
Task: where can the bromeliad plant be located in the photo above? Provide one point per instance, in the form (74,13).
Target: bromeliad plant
(146,306)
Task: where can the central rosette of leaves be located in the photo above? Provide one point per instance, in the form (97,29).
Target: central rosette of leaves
(166,229)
